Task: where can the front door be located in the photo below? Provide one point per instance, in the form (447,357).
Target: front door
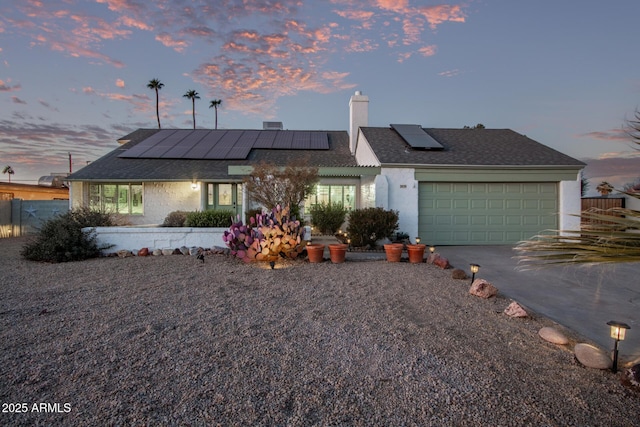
(224,196)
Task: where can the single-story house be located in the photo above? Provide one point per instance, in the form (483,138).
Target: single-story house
(450,186)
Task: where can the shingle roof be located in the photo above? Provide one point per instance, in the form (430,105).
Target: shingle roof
(467,147)
(112,167)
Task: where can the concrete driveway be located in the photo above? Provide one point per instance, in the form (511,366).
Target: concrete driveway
(581,298)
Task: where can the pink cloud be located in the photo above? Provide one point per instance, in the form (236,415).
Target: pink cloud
(169,41)
(4,87)
(120,83)
(427,50)
(609,135)
(17,100)
(436,15)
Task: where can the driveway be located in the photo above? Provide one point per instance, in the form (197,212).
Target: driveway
(581,298)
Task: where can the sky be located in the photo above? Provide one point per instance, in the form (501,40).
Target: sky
(74,73)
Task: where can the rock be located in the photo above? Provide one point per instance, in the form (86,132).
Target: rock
(592,357)
(194,251)
(176,251)
(483,289)
(432,257)
(459,274)
(143,252)
(184,250)
(442,262)
(157,252)
(167,251)
(553,336)
(515,310)
(633,374)
(123,253)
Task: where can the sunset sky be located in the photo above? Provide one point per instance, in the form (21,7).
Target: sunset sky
(74,74)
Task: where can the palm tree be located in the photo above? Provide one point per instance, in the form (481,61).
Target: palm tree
(156,85)
(192,95)
(214,104)
(604,188)
(8,170)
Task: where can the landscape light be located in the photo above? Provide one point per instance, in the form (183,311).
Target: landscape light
(618,330)
(432,249)
(418,240)
(474,269)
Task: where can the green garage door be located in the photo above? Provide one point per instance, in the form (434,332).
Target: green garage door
(456,213)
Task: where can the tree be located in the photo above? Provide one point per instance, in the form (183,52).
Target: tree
(478,126)
(633,127)
(604,188)
(214,104)
(8,170)
(632,187)
(192,95)
(271,185)
(584,185)
(156,85)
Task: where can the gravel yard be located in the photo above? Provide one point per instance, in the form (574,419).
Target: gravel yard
(172,341)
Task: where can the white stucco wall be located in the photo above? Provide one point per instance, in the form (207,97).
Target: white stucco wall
(570,204)
(134,238)
(364,154)
(161,198)
(403,197)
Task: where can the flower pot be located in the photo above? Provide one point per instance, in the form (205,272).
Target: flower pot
(416,253)
(315,252)
(393,251)
(337,252)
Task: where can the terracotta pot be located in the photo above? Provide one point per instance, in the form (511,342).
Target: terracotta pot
(338,252)
(393,251)
(416,253)
(315,252)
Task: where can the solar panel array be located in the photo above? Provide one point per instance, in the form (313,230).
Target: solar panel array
(416,137)
(202,144)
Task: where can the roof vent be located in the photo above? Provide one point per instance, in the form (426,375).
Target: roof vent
(272,125)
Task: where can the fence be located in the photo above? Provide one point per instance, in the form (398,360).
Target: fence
(601,203)
(23,217)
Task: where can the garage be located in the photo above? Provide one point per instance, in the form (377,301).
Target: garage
(492,213)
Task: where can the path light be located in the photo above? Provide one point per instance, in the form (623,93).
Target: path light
(474,269)
(349,243)
(618,330)
(432,249)
(418,240)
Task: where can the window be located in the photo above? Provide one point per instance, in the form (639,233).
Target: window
(345,194)
(116,198)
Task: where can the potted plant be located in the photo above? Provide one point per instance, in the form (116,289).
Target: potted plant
(416,253)
(315,252)
(393,251)
(338,252)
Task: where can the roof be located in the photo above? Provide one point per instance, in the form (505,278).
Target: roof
(466,147)
(114,168)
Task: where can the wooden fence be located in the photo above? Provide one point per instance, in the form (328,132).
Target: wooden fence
(601,203)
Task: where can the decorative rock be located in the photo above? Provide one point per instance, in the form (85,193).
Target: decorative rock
(143,252)
(483,289)
(184,250)
(553,336)
(194,251)
(592,357)
(515,310)
(167,251)
(458,274)
(633,374)
(176,251)
(123,253)
(157,252)
(442,262)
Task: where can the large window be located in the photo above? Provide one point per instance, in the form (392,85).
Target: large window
(345,194)
(116,198)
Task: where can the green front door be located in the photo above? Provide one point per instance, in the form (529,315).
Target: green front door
(224,196)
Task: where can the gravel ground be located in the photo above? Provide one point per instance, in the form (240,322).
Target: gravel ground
(172,341)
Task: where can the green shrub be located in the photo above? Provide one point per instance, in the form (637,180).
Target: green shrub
(212,218)
(175,219)
(328,218)
(366,226)
(61,239)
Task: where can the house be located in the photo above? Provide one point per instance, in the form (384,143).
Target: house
(450,186)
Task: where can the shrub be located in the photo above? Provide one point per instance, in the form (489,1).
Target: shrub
(61,239)
(212,218)
(175,219)
(366,226)
(328,218)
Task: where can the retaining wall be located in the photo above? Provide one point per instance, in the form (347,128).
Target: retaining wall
(154,237)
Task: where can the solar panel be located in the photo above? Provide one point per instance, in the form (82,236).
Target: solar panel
(416,137)
(223,144)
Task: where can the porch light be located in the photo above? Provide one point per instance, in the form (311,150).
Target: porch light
(474,269)
(194,186)
(618,331)
(418,239)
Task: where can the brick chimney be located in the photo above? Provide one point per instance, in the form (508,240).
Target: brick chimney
(358,117)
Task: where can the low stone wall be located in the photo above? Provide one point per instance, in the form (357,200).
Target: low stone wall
(154,237)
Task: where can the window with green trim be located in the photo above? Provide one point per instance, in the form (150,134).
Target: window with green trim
(116,198)
(327,194)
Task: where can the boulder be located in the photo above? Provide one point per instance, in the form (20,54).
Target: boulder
(143,252)
(592,357)
(157,252)
(633,374)
(442,262)
(459,274)
(515,310)
(483,289)
(553,335)
(167,251)
(194,250)
(123,253)
(176,251)
(184,250)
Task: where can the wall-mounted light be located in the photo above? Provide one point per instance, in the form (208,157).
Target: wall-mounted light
(618,331)
(474,269)
(195,186)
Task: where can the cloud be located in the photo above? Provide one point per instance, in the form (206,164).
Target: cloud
(608,135)
(170,41)
(436,15)
(4,87)
(17,100)
(617,169)
(449,73)
(47,105)
(120,83)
